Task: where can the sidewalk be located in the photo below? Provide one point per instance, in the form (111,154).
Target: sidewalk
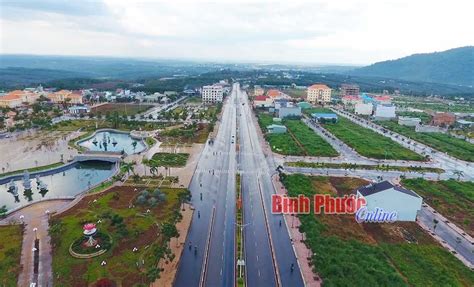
(302,252)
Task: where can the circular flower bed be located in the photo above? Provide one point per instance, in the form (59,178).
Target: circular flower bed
(80,247)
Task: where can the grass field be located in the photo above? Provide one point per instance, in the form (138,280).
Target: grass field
(299,140)
(369,143)
(122,109)
(10,253)
(170,159)
(296,93)
(186,135)
(453,199)
(128,227)
(317,110)
(346,253)
(350,166)
(445,143)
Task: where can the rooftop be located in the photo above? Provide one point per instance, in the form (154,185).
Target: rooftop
(382,186)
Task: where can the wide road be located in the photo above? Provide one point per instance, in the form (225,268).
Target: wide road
(257,186)
(213,225)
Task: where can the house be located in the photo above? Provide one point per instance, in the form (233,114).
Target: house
(364,109)
(351,100)
(443,119)
(262,102)
(284,112)
(77,110)
(212,94)
(383,99)
(409,121)
(17,98)
(276,129)
(258,91)
(349,90)
(318,93)
(66,96)
(464,123)
(272,93)
(384,112)
(324,117)
(282,103)
(391,198)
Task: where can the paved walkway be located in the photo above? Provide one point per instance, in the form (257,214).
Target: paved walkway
(35,216)
(302,252)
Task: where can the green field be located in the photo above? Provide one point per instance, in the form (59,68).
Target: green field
(128,228)
(369,143)
(453,199)
(349,166)
(170,159)
(445,143)
(10,253)
(345,253)
(299,140)
(425,118)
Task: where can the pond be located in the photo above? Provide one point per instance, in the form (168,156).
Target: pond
(110,141)
(70,181)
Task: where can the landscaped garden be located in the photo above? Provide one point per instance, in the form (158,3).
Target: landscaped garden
(345,253)
(453,199)
(11,238)
(139,223)
(456,147)
(369,143)
(170,159)
(353,166)
(195,133)
(299,140)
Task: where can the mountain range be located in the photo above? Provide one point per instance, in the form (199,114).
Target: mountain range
(454,66)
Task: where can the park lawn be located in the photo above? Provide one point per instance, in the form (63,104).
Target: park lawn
(453,199)
(186,135)
(121,109)
(296,93)
(455,147)
(346,253)
(313,144)
(284,144)
(369,143)
(142,231)
(10,253)
(170,159)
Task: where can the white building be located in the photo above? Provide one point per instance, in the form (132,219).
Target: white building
(289,112)
(364,109)
(409,121)
(384,112)
(212,94)
(391,198)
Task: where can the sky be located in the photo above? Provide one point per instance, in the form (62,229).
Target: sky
(293,31)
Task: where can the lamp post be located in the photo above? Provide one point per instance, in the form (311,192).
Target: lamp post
(35,230)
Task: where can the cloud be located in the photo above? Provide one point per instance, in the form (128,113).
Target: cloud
(324,31)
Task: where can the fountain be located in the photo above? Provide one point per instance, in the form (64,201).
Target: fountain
(12,188)
(114,142)
(26,180)
(95,141)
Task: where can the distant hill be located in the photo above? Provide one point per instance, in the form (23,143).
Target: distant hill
(455,66)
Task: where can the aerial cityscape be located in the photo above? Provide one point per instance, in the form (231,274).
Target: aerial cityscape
(201,144)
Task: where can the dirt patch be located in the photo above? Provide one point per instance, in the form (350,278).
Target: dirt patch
(345,185)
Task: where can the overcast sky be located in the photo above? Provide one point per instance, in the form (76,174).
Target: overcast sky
(306,31)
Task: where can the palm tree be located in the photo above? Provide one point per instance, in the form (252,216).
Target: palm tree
(458,173)
(128,167)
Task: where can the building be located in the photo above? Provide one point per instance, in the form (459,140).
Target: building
(212,94)
(349,90)
(272,93)
(276,129)
(318,93)
(383,100)
(391,198)
(324,117)
(284,112)
(282,103)
(77,110)
(17,98)
(464,123)
(351,100)
(262,102)
(409,121)
(258,91)
(384,112)
(443,119)
(364,109)
(304,105)
(66,96)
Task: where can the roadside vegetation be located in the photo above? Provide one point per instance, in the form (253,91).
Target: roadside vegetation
(299,140)
(195,133)
(123,109)
(453,199)
(345,253)
(455,147)
(369,143)
(353,166)
(10,253)
(170,159)
(140,236)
